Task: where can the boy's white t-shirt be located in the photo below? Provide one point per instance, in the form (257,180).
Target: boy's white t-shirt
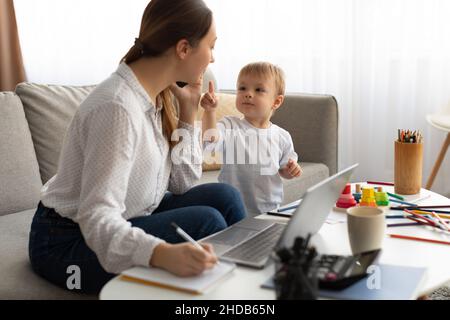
(251,158)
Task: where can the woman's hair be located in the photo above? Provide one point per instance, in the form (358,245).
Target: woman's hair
(164,24)
(266,70)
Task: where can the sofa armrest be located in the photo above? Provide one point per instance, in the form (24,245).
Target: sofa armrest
(313,122)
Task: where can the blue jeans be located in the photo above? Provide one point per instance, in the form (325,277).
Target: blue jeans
(56,244)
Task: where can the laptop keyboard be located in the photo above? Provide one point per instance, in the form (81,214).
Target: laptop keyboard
(258,247)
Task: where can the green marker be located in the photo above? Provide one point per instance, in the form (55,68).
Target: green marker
(396,196)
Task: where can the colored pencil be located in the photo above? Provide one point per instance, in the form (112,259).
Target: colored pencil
(442,213)
(407,224)
(398,236)
(442,222)
(445,216)
(394,217)
(426,207)
(403,202)
(381,183)
(420,222)
(395,196)
(435,223)
(430,222)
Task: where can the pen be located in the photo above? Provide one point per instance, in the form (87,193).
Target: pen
(287,208)
(186,237)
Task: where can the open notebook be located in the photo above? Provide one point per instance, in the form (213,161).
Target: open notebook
(161,278)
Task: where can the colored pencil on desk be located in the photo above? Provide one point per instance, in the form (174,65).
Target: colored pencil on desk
(399,236)
(408,224)
(427,212)
(422,210)
(381,183)
(403,202)
(417,216)
(394,217)
(442,222)
(395,196)
(429,207)
(421,222)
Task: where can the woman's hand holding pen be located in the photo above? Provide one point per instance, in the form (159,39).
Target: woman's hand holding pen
(188,98)
(184,260)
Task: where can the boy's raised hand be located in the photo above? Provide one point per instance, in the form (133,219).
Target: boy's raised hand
(209,100)
(292,170)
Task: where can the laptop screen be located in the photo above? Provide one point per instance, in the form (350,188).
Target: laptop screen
(315,208)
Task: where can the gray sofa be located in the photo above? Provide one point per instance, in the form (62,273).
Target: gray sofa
(33,120)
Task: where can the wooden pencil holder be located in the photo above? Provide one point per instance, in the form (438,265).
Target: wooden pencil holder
(408,167)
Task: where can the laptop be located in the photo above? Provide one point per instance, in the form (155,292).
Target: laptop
(251,241)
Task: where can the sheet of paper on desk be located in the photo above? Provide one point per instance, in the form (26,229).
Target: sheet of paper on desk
(162,278)
(336,217)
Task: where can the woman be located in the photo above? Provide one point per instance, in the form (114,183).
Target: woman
(107,208)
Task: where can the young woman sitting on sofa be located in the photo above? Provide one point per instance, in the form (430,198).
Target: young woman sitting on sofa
(108,208)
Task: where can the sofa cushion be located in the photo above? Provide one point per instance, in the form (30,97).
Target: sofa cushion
(49,111)
(20,181)
(18,279)
(313,122)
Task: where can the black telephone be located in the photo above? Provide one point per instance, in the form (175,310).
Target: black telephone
(339,272)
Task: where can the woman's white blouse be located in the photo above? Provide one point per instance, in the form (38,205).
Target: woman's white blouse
(116,165)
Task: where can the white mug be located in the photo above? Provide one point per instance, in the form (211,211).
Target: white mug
(366,228)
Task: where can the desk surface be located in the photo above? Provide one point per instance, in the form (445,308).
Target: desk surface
(244,283)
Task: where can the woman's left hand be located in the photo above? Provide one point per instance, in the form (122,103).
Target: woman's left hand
(189,99)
